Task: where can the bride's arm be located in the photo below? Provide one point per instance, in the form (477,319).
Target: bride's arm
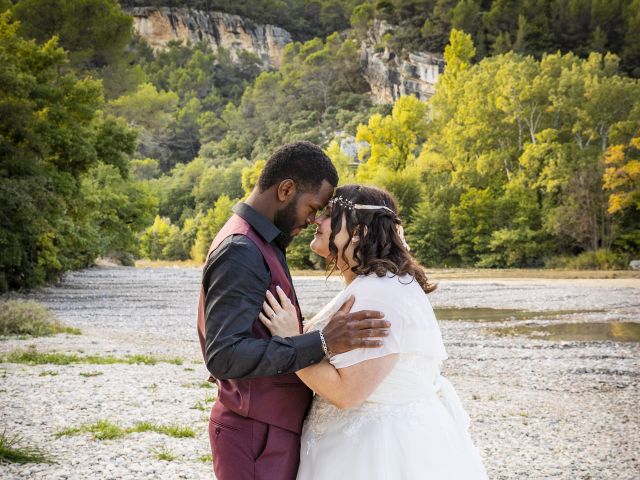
(347,387)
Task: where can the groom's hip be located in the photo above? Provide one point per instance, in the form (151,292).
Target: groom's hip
(247,449)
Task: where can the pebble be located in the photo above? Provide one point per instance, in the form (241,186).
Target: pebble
(539,409)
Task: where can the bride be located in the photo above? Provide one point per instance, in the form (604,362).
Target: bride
(386,412)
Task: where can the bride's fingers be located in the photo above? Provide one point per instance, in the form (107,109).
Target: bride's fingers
(264,320)
(267,309)
(284,300)
(287,304)
(273,302)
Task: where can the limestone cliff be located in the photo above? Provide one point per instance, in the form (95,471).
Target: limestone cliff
(391,76)
(388,74)
(159,25)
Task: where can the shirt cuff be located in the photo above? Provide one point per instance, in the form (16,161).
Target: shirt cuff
(308,348)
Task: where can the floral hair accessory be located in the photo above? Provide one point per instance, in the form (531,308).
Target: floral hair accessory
(349,205)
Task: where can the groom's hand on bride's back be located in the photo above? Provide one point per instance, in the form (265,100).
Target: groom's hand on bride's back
(350,330)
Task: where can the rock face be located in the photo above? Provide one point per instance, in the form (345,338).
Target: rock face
(391,76)
(159,25)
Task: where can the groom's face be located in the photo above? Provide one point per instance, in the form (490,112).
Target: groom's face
(301,210)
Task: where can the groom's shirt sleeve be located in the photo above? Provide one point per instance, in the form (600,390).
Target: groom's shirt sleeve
(235,281)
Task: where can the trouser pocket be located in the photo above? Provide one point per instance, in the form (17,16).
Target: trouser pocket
(232,451)
(260,438)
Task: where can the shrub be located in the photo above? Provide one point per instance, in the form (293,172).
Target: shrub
(162,241)
(19,317)
(593,260)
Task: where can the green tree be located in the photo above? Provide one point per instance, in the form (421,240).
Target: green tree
(175,190)
(95,33)
(150,112)
(118,208)
(162,241)
(218,181)
(51,133)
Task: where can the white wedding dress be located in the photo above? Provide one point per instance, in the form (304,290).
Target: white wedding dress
(413,425)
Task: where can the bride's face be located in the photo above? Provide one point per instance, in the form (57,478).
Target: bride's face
(320,242)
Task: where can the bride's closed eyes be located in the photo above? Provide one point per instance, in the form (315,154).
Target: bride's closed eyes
(325,212)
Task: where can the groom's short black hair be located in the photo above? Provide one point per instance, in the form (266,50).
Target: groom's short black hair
(303,162)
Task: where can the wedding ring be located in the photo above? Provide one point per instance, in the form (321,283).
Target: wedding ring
(273,314)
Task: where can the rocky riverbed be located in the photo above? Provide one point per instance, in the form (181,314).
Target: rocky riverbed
(540,408)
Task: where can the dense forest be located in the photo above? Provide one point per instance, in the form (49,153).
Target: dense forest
(527,155)
(528,27)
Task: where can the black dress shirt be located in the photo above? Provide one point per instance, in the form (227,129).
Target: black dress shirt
(235,280)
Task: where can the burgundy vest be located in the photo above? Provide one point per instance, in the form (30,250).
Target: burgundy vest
(281,400)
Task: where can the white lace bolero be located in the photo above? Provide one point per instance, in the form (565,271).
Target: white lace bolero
(414,334)
(414,328)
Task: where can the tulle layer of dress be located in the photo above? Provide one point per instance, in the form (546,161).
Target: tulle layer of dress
(423,439)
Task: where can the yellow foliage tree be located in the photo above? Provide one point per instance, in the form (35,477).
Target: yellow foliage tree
(250,176)
(622,175)
(394,140)
(342,162)
(209,225)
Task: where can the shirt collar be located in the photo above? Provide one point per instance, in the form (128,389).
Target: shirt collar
(259,222)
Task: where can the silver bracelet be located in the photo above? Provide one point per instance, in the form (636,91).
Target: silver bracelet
(326,351)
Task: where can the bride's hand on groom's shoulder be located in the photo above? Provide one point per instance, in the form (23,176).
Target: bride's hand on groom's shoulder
(280,315)
(350,330)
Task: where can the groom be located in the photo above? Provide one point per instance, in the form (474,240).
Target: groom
(255,424)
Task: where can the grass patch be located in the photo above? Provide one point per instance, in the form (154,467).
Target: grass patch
(19,317)
(101,430)
(14,450)
(164,454)
(207,385)
(175,431)
(205,404)
(105,430)
(50,373)
(91,374)
(32,357)
(206,458)
(210,398)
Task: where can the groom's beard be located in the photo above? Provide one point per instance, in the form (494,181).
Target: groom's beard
(285,220)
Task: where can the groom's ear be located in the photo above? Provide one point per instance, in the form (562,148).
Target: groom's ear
(286,190)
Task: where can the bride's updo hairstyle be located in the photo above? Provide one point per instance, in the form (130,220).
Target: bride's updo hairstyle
(380,248)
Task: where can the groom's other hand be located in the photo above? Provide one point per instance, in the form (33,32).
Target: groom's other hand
(350,330)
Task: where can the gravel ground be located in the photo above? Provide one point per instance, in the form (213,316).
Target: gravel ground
(539,409)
